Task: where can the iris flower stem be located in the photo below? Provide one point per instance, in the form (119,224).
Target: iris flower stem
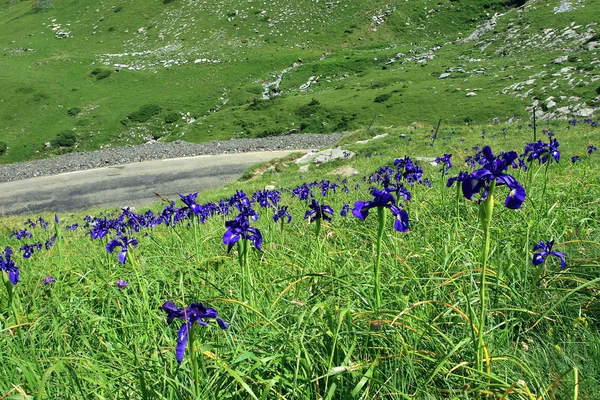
(317,227)
(58,234)
(458,196)
(381,219)
(193,358)
(195,227)
(545,182)
(135,265)
(443,184)
(486,209)
(240,248)
(248,273)
(11,307)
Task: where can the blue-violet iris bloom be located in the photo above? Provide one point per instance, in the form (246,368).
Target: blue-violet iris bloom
(382,198)
(317,211)
(493,170)
(546,250)
(122,242)
(8,265)
(194,313)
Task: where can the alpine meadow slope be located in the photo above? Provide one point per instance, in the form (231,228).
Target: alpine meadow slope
(84,76)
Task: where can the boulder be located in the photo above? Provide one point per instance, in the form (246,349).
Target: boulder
(325,156)
(345,171)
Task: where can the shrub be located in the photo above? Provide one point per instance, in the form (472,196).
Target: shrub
(382,97)
(118,8)
(598,90)
(73,111)
(168,1)
(171,117)
(145,112)
(3,148)
(101,73)
(65,139)
(40,96)
(309,109)
(258,104)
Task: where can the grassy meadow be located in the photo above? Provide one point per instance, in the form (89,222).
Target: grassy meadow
(340,309)
(113,73)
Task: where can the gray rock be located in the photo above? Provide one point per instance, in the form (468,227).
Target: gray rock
(560,60)
(471,94)
(584,112)
(303,168)
(345,171)
(444,75)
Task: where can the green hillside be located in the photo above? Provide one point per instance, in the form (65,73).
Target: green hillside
(110,73)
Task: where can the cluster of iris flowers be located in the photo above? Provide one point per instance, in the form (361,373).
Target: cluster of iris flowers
(486,168)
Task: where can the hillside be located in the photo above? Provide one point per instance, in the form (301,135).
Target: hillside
(87,75)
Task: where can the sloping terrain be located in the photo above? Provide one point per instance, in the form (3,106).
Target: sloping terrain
(86,75)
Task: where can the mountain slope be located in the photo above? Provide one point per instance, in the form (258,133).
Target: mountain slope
(214,70)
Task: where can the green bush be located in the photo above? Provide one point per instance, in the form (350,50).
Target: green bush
(309,109)
(168,1)
(118,8)
(598,90)
(171,117)
(101,73)
(40,96)
(73,111)
(65,139)
(3,148)
(382,97)
(145,112)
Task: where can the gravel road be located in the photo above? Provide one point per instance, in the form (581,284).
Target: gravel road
(158,151)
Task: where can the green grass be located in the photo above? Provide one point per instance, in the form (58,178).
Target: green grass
(43,77)
(312,330)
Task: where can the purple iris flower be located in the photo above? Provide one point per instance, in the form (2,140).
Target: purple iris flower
(575,159)
(542,151)
(303,192)
(344,210)
(42,223)
(50,242)
(591,148)
(266,198)
(29,249)
(122,242)
(72,227)
(317,211)
(493,170)
(546,250)
(121,284)
(48,280)
(282,213)
(21,234)
(407,169)
(190,202)
(382,198)
(8,265)
(239,228)
(194,313)
(462,175)
(446,161)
